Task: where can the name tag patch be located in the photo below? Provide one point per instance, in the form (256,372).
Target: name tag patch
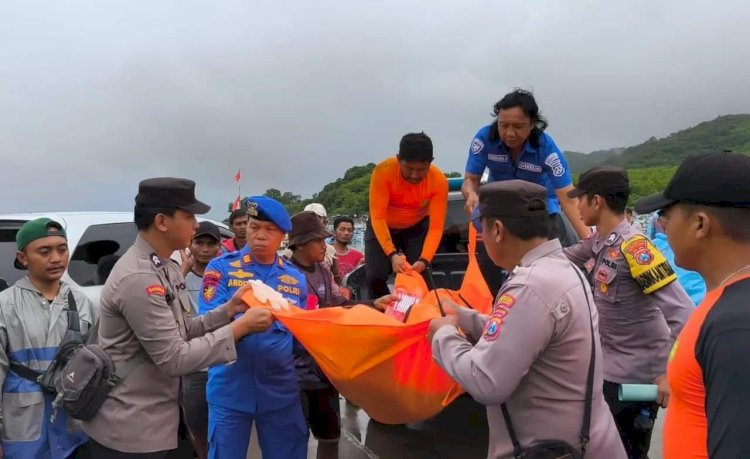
(529,167)
(499,158)
(232,283)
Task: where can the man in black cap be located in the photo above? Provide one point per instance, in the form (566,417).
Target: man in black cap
(147,327)
(205,246)
(641,307)
(536,358)
(705,212)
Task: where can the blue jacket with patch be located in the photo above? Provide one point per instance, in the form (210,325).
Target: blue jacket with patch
(263,377)
(691,281)
(545,165)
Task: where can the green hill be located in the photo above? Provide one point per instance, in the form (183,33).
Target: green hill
(729,132)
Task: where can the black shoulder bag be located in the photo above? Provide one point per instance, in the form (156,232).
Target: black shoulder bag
(559,449)
(71,340)
(81,375)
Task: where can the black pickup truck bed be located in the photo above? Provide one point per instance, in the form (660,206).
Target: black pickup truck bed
(450,261)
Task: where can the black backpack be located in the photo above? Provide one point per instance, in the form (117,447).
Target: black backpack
(81,375)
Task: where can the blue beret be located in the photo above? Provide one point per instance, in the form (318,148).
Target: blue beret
(269,209)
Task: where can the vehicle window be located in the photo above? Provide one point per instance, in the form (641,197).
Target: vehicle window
(456,232)
(98,250)
(8,230)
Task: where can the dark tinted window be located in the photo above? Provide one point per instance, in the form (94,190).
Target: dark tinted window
(8,230)
(98,250)
(456,233)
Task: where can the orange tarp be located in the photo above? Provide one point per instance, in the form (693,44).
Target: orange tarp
(377,362)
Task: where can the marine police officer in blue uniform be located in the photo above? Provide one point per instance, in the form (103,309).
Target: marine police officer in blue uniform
(261,386)
(515,146)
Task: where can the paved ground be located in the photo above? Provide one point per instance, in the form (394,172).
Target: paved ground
(459,432)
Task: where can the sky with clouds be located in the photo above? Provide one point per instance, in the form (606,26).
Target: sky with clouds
(97,95)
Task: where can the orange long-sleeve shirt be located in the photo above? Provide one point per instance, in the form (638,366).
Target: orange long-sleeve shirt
(398,204)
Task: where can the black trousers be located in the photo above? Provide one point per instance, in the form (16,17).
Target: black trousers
(407,240)
(322,411)
(636,439)
(195,409)
(98,451)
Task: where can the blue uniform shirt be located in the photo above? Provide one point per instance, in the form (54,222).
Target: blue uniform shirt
(544,166)
(263,378)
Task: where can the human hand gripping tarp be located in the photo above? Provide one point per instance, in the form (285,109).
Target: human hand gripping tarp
(379,363)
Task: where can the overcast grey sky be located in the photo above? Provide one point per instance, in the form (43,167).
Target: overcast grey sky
(96,95)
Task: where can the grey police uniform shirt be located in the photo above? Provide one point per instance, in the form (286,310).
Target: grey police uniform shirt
(641,308)
(533,354)
(28,321)
(141,414)
(193,284)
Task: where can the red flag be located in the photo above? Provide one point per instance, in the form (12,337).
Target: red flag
(236,204)
(237,177)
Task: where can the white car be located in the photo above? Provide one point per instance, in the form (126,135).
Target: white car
(91,236)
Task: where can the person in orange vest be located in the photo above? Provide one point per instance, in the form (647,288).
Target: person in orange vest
(705,212)
(408,206)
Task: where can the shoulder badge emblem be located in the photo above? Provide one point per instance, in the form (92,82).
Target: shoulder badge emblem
(156,289)
(209,291)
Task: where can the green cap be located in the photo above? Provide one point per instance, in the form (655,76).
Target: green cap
(37,229)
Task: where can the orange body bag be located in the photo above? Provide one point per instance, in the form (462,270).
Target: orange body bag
(381,364)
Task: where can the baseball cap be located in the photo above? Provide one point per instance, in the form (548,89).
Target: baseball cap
(37,229)
(510,198)
(268,209)
(170,193)
(317,208)
(601,180)
(715,179)
(208,229)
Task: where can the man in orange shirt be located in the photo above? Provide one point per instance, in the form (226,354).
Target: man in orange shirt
(705,212)
(408,205)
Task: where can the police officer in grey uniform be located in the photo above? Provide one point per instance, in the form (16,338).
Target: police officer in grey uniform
(146,325)
(642,308)
(533,353)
